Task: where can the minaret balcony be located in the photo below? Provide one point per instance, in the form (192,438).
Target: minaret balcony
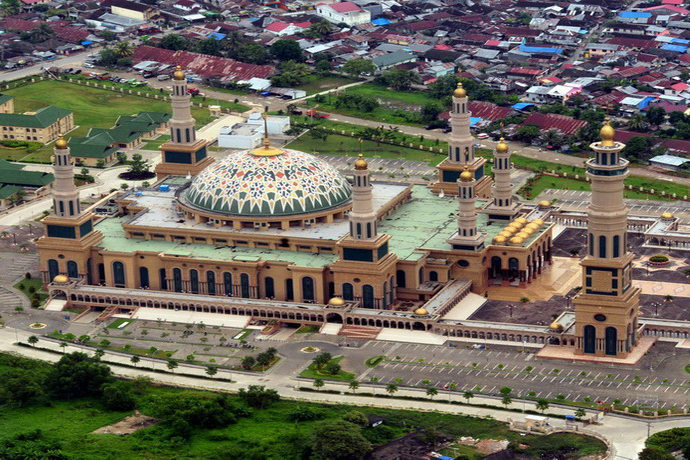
(597,169)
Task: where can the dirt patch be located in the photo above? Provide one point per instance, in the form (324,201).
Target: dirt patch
(128,425)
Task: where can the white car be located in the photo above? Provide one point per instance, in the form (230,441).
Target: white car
(89,66)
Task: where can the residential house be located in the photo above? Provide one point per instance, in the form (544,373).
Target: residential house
(43,125)
(343,12)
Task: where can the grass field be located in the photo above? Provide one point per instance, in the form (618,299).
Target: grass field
(317,83)
(262,434)
(153,144)
(37,283)
(563,183)
(312,372)
(337,144)
(118,322)
(93,108)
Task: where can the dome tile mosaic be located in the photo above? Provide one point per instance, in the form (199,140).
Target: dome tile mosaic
(290,183)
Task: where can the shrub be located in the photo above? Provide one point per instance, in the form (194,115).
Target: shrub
(32,289)
(658,258)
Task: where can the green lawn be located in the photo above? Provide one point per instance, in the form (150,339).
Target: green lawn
(153,144)
(93,108)
(118,322)
(563,183)
(243,334)
(37,284)
(337,144)
(266,434)
(312,372)
(307,329)
(317,83)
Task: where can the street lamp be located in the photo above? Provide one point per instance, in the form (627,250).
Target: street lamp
(567,299)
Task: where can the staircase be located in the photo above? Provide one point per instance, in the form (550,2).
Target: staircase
(360,332)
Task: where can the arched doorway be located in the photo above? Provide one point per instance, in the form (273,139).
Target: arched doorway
(244,285)
(611,341)
(417,326)
(307,289)
(367,296)
(211,282)
(334,318)
(348,291)
(144,277)
(53,269)
(496,265)
(433,275)
(177,279)
(118,274)
(400,278)
(72,269)
(590,335)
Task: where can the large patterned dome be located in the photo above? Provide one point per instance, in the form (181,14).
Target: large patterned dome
(289,182)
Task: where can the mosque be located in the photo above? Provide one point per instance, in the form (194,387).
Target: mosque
(277,236)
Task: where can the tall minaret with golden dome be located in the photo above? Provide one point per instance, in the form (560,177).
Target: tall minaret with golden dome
(606,308)
(502,206)
(184,154)
(461,150)
(65,247)
(467,238)
(362,215)
(65,193)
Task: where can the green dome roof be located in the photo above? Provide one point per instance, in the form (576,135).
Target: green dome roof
(243,184)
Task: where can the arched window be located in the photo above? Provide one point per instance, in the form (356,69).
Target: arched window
(421,275)
(367,296)
(385,294)
(368,229)
(348,291)
(72,269)
(244,285)
(602,247)
(611,341)
(590,339)
(89,272)
(101,273)
(591,244)
(307,289)
(163,279)
(194,281)
(616,246)
(179,135)
(118,274)
(144,277)
(359,230)
(269,287)
(289,290)
(400,278)
(227,283)
(53,269)
(433,275)
(211,282)
(513,264)
(177,280)
(186,134)
(331,289)
(391,292)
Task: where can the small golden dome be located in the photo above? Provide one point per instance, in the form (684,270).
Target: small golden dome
(517,240)
(528,230)
(502,147)
(667,215)
(539,222)
(545,204)
(360,163)
(421,311)
(61,143)
(556,326)
(505,234)
(523,234)
(459,91)
(266,150)
(607,134)
(499,239)
(179,73)
(510,230)
(466,175)
(532,225)
(336,301)
(516,224)
(522,220)
(61,279)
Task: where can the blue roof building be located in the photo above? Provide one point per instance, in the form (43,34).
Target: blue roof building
(381,22)
(540,49)
(634,15)
(521,105)
(676,48)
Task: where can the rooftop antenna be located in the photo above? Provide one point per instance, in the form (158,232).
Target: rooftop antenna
(267,141)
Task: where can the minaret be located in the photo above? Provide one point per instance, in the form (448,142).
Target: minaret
(65,247)
(606,308)
(502,206)
(461,150)
(362,216)
(467,237)
(184,154)
(65,193)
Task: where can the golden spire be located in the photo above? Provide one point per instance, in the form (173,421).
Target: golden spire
(502,147)
(266,150)
(179,73)
(61,143)
(360,163)
(460,91)
(608,134)
(466,175)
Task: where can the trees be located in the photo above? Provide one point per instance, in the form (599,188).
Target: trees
(358,67)
(430,111)
(505,390)
(118,396)
(33,340)
(443,86)
(318,383)
(399,79)
(321,28)
(107,35)
(172,364)
(431,392)
(124,49)
(9,7)
(391,388)
(248,362)
(211,370)
(98,354)
(637,148)
(258,396)
(323,67)
(138,166)
(638,122)
(209,46)
(174,42)
(286,50)
(292,73)
(333,368)
(527,133)
(580,413)
(356,417)
(542,405)
(41,33)
(656,115)
(552,138)
(337,440)
(655,453)
(321,360)
(252,53)
(506,400)
(354,385)
(135,360)
(468,395)
(76,374)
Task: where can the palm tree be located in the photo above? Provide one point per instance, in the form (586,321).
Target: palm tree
(211,371)
(98,354)
(63,345)
(468,395)
(506,400)
(135,360)
(41,33)
(33,340)
(172,365)
(580,413)
(431,392)
(322,28)
(638,122)
(391,388)
(354,385)
(232,42)
(542,405)
(552,138)
(318,383)
(124,49)
(524,300)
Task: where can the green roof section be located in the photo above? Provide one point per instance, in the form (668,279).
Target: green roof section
(7,191)
(5,98)
(115,240)
(42,118)
(95,147)
(145,117)
(12,174)
(4,164)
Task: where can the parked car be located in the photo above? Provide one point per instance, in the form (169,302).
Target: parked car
(88,65)
(163,77)
(147,74)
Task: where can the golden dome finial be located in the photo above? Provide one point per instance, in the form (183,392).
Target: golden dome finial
(179,73)
(466,175)
(266,150)
(360,163)
(502,147)
(608,134)
(460,91)
(60,143)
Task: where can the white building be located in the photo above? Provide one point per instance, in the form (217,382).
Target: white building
(275,123)
(241,136)
(345,12)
